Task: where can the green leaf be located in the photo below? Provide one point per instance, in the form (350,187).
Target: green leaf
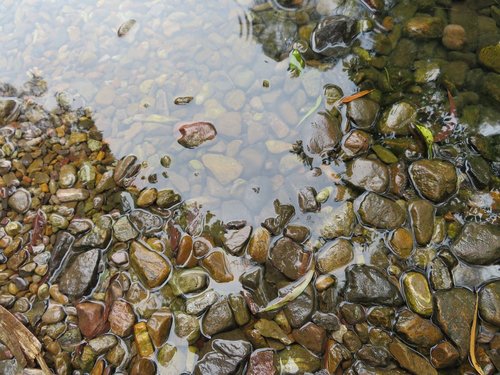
(297,63)
(428,137)
(290,292)
(313,109)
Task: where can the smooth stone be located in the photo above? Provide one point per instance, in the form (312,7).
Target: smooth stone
(258,246)
(454,37)
(300,310)
(121,318)
(325,136)
(411,360)
(381,212)
(422,220)
(152,268)
(198,304)
(81,274)
(236,239)
(67,176)
(295,359)
(353,313)
(417,293)
(454,312)
(339,222)
(239,308)
(88,314)
(424,27)
(147,197)
(328,321)
(440,276)
(444,355)
(478,243)
(143,366)
(307,200)
(145,222)
(103,344)
(298,233)
(381,316)
(224,359)
(159,325)
(401,242)
(367,285)
(363,112)
(357,142)
(219,318)
(187,327)
(489,303)
(311,336)
(367,174)
(333,35)
(434,179)
(53,314)
(397,119)
(290,258)
(478,169)
(98,237)
(123,230)
(489,57)
(216,265)
(351,341)
(374,356)
(166,354)
(185,281)
(271,329)
(224,168)
(334,256)
(193,135)
(72,195)
(167,198)
(20,201)
(416,330)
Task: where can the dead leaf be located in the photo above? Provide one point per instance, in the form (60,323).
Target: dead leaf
(352,97)
(450,123)
(125,27)
(472,343)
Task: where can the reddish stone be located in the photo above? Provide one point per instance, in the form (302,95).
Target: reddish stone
(89,314)
(262,363)
(121,318)
(311,336)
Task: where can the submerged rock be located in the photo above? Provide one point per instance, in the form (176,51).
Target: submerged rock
(193,135)
(20,201)
(416,330)
(326,134)
(295,359)
(81,274)
(334,256)
(339,222)
(367,174)
(489,303)
(422,220)
(417,293)
(434,179)
(219,318)
(397,119)
(224,358)
(380,212)
(411,360)
(363,112)
(290,258)
(424,27)
(478,244)
(333,35)
(224,168)
(149,265)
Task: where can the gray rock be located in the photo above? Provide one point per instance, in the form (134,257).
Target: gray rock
(219,318)
(334,256)
(440,276)
(307,200)
(145,222)
(434,179)
(123,230)
(380,212)
(422,220)
(326,134)
(367,174)
(236,239)
(338,222)
(300,310)
(478,244)
(20,201)
(103,344)
(196,305)
(489,302)
(81,274)
(98,237)
(225,357)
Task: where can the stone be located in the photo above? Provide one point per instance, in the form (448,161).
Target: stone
(352,313)
(151,267)
(311,337)
(357,142)
(367,174)
(417,293)
(325,136)
(216,265)
(199,303)
(145,222)
(334,355)
(298,233)
(166,354)
(334,256)
(478,243)
(422,220)
(333,35)
(295,359)
(300,310)
(98,237)
(328,321)
(381,212)
(147,197)
(351,341)
(239,308)
(397,119)
(121,318)
(53,314)
(167,198)
(434,179)
(193,135)
(338,222)
(236,239)
(444,355)
(224,168)
(454,311)
(401,242)
(489,57)
(307,200)
(454,37)
(416,330)
(187,327)
(363,112)
(375,356)
(88,314)
(290,258)
(411,360)
(159,325)
(186,281)
(123,230)
(258,246)
(440,276)
(424,27)
(81,275)
(478,169)
(103,344)
(271,329)
(489,303)
(72,195)
(20,201)
(224,358)
(262,362)
(219,318)
(381,316)
(367,285)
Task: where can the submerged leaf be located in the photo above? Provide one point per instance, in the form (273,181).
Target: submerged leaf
(290,292)
(472,342)
(311,111)
(125,27)
(352,97)
(451,121)
(297,63)
(428,137)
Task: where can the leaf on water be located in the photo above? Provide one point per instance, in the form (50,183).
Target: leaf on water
(451,121)
(352,97)
(472,342)
(292,292)
(182,100)
(428,137)
(125,27)
(297,63)
(311,111)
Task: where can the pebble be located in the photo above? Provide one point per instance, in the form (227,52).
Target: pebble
(153,268)
(20,201)
(417,293)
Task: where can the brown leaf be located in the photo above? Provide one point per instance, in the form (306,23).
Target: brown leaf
(472,342)
(38,228)
(352,97)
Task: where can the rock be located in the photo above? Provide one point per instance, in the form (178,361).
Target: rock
(351,341)
(434,179)
(367,174)
(381,316)
(311,337)
(385,154)
(290,258)
(126,170)
(410,360)
(295,359)
(239,308)
(333,35)
(417,293)
(401,242)
(337,255)
(489,57)
(53,314)
(367,285)
(81,275)
(262,362)
(158,326)
(334,355)
(478,243)
(193,135)
(98,237)
(72,195)
(224,168)
(353,313)
(325,136)
(20,201)
(88,314)
(339,222)
(454,37)
(297,233)
(375,356)
(224,359)
(147,197)
(258,247)
(9,111)
(478,170)
(151,267)
(123,230)
(444,355)
(187,327)
(103,344)
(416,330)
(397,119)
(167,198)
(424,27)
(454,311)
(187,281)
(489,303)
(143,366)
(357,142)
(328,321)
(422,220)
(380,212)
(198,304)
(363,112)
(121,318)
(284,212)
(166,354)
(219,318)
(236,239)
(215,264)
(300,310)
(271,329)
(145,222)
(440,276)
(307,200)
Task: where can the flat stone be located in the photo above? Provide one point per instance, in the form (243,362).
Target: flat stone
(334,256)
(375,356)
(290,258)
(149,265)
(397,119)
(103,344)
(298,233)
(417,293)
(424,27)
(478,243)
(444,355)
(258,247)
(296,359)
(88,314)
(236,239)
(271,329)
(147,197)
(167,198)
(216,265)
(381,212)
(123,230)
(20,201)
(367,174)
(338,222)
(311,336)
(219,318)
(416,330)
(262,362)
(224,168)
(81,274)
(300,310)
(199,303)
(72,195)
(121,318)
(401,242)
(411,360)
(422,220)
(440,276)
(434,179)
(326,134)
(158,326)
(193,135)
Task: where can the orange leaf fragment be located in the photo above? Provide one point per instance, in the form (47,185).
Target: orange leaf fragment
(358,95)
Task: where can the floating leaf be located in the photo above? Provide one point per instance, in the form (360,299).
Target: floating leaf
(182,100)
(352,97)
(472,342)
(450,123)
(312,110)
(125,27)
(290,292)
(428,137)
(297,63)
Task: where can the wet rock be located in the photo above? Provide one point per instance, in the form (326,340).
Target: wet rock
(328,321)
(416,330)
(103,344)
(224,359)
(339,222)
(236,239)
(422,220)
(53,314)
(311,336)
(440,276)
(333,35)
(143,366)
(20,201)
(367,285)
(188,281)
(454,311)
(424,27)
(290,258)
(454,37)
(401,242)
(239,308)
(417,293)
(478,170)
(258,247)
(167,198)
(88,314)
(380,212)
(216,265)
(147,197)
(123,230)
(284,212)
(193,135)
(300,310)
(410,360)
(397,119)
(149,265)
(98,237)
(353,313)
(334,256)
(307,200)
(381,316)
(166,354)
(9,111)
(72,195)
(158,326)
(196,305)
(121,318)
(126,170)
(145,222)
(489,303)
(219,318)
(295,359)
(334,355)
(357,142)
(435,180)
(363,112)
(262,362)
(351,341)
(367,174)
(298,233)
(478,244)
(224,168)
(489,57)
(375,356)
(326,134)
(81,274)
(187,327)
(444,355)
(271,329)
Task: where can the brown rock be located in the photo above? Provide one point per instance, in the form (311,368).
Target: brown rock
(193,135)
(151,267)
(444,355)
(290,258)
(159,326)
(435,179)
(416,330)
(422,220)
(402,242)
(185,255)
(143,366)
(411,360)
(262,363)
(121,318)
(215,264)
(311,336)
(258,247)
(88,314)
(454,37)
